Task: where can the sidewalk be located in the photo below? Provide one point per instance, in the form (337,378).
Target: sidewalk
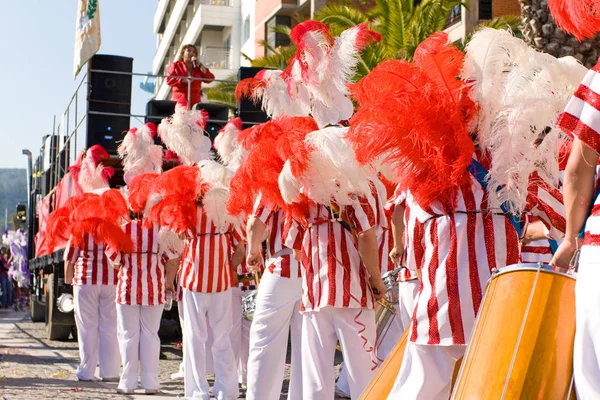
(33,368)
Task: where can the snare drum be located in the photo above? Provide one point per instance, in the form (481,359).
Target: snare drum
(522,342)
(390,279)
(249,305)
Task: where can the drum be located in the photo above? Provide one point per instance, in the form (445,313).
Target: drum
(390,279)
(522,342)
(249,305)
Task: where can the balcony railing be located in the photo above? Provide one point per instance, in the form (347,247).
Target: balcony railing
(454,17)
(213,2)
(215,57)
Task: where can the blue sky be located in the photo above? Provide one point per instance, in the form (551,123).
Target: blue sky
(36,63)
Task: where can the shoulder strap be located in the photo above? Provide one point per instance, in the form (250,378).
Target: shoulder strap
(479,173)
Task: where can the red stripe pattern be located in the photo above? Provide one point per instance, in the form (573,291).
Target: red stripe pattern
(92,267)
(206,265)
(457,254)
(581,117)
(279,260)
(333,272)
(141,278)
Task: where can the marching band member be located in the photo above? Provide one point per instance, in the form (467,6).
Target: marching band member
(211,237)
(467,231)
(277,308)
(94,284)
(146,274)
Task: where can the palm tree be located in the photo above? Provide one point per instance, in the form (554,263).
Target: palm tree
(541,32)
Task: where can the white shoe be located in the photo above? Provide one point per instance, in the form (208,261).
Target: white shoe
(177,375)
(125,391)
(151,391)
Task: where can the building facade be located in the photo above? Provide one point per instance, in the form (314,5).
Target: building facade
(214,26)
(461,21)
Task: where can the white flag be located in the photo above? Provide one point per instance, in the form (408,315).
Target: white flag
(87,36)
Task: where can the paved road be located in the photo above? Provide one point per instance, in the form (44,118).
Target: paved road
(33,368)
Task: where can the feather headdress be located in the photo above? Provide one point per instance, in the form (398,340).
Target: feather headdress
(322,68)
(230,150)
(580,18)
(183,133)
(332,173)
(520,140)
(269,88)
(92,175)
(415,117)
(270,145)
(139,153)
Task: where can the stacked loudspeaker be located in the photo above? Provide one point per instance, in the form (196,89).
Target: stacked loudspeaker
(250,113)
(109,100)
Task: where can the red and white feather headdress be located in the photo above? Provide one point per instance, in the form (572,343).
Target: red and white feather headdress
(139,153)
(183,133)
(92,175)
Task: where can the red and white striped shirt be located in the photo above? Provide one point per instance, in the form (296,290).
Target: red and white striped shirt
(92,267)
(581,119)
(460,250)
(333,273)
(141,278)
(385,239)
(206,265)
(279,260)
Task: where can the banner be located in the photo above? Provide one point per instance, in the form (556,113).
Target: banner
(87,35)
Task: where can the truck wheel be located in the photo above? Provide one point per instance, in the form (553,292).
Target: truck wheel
(54,331)
(38,310)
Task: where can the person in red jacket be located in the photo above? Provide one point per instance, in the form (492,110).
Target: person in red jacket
(188,65)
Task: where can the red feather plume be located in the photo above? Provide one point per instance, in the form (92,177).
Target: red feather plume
(416,119)
(140,188)
(580,18)
(246,88)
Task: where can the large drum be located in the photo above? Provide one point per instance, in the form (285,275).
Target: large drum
(390,279)
(249,305)
(522,342)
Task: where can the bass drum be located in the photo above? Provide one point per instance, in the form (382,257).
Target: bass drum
(522,342)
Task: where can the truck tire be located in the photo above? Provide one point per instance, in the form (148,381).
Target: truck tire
(38,310)
(54,331)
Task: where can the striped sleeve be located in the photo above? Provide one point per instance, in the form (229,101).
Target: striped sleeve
(113,256)
(581,117)
(71,253)
(363,213)
(262,210)
(549,208)
(293,233)
(237,235)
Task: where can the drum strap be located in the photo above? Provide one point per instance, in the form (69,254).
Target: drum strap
(479,173)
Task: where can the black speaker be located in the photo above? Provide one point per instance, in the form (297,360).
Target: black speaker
(108,94)
(249,112)
(218,114)
(157,110)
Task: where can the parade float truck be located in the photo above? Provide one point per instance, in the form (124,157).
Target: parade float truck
(104,95)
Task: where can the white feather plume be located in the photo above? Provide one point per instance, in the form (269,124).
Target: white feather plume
(232,153)
(91,178)
(521,92)
(276,99)
(214,200)
(169,241)
(288,184)
(139,153)
(183,133)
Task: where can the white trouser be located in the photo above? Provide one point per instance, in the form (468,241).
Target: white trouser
(586,352)
(426,372)
(96,319)
(320,332)
(139,343)
(277,309)
(240,334)
(181,321)
(404,309)
(204,311)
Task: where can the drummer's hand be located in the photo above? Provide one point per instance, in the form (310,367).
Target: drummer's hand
(254,261)
(378,287)
(170,288)
(563,255)
(396,255)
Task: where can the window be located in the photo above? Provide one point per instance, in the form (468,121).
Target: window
(246,30)
(485,9)
(276,40)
